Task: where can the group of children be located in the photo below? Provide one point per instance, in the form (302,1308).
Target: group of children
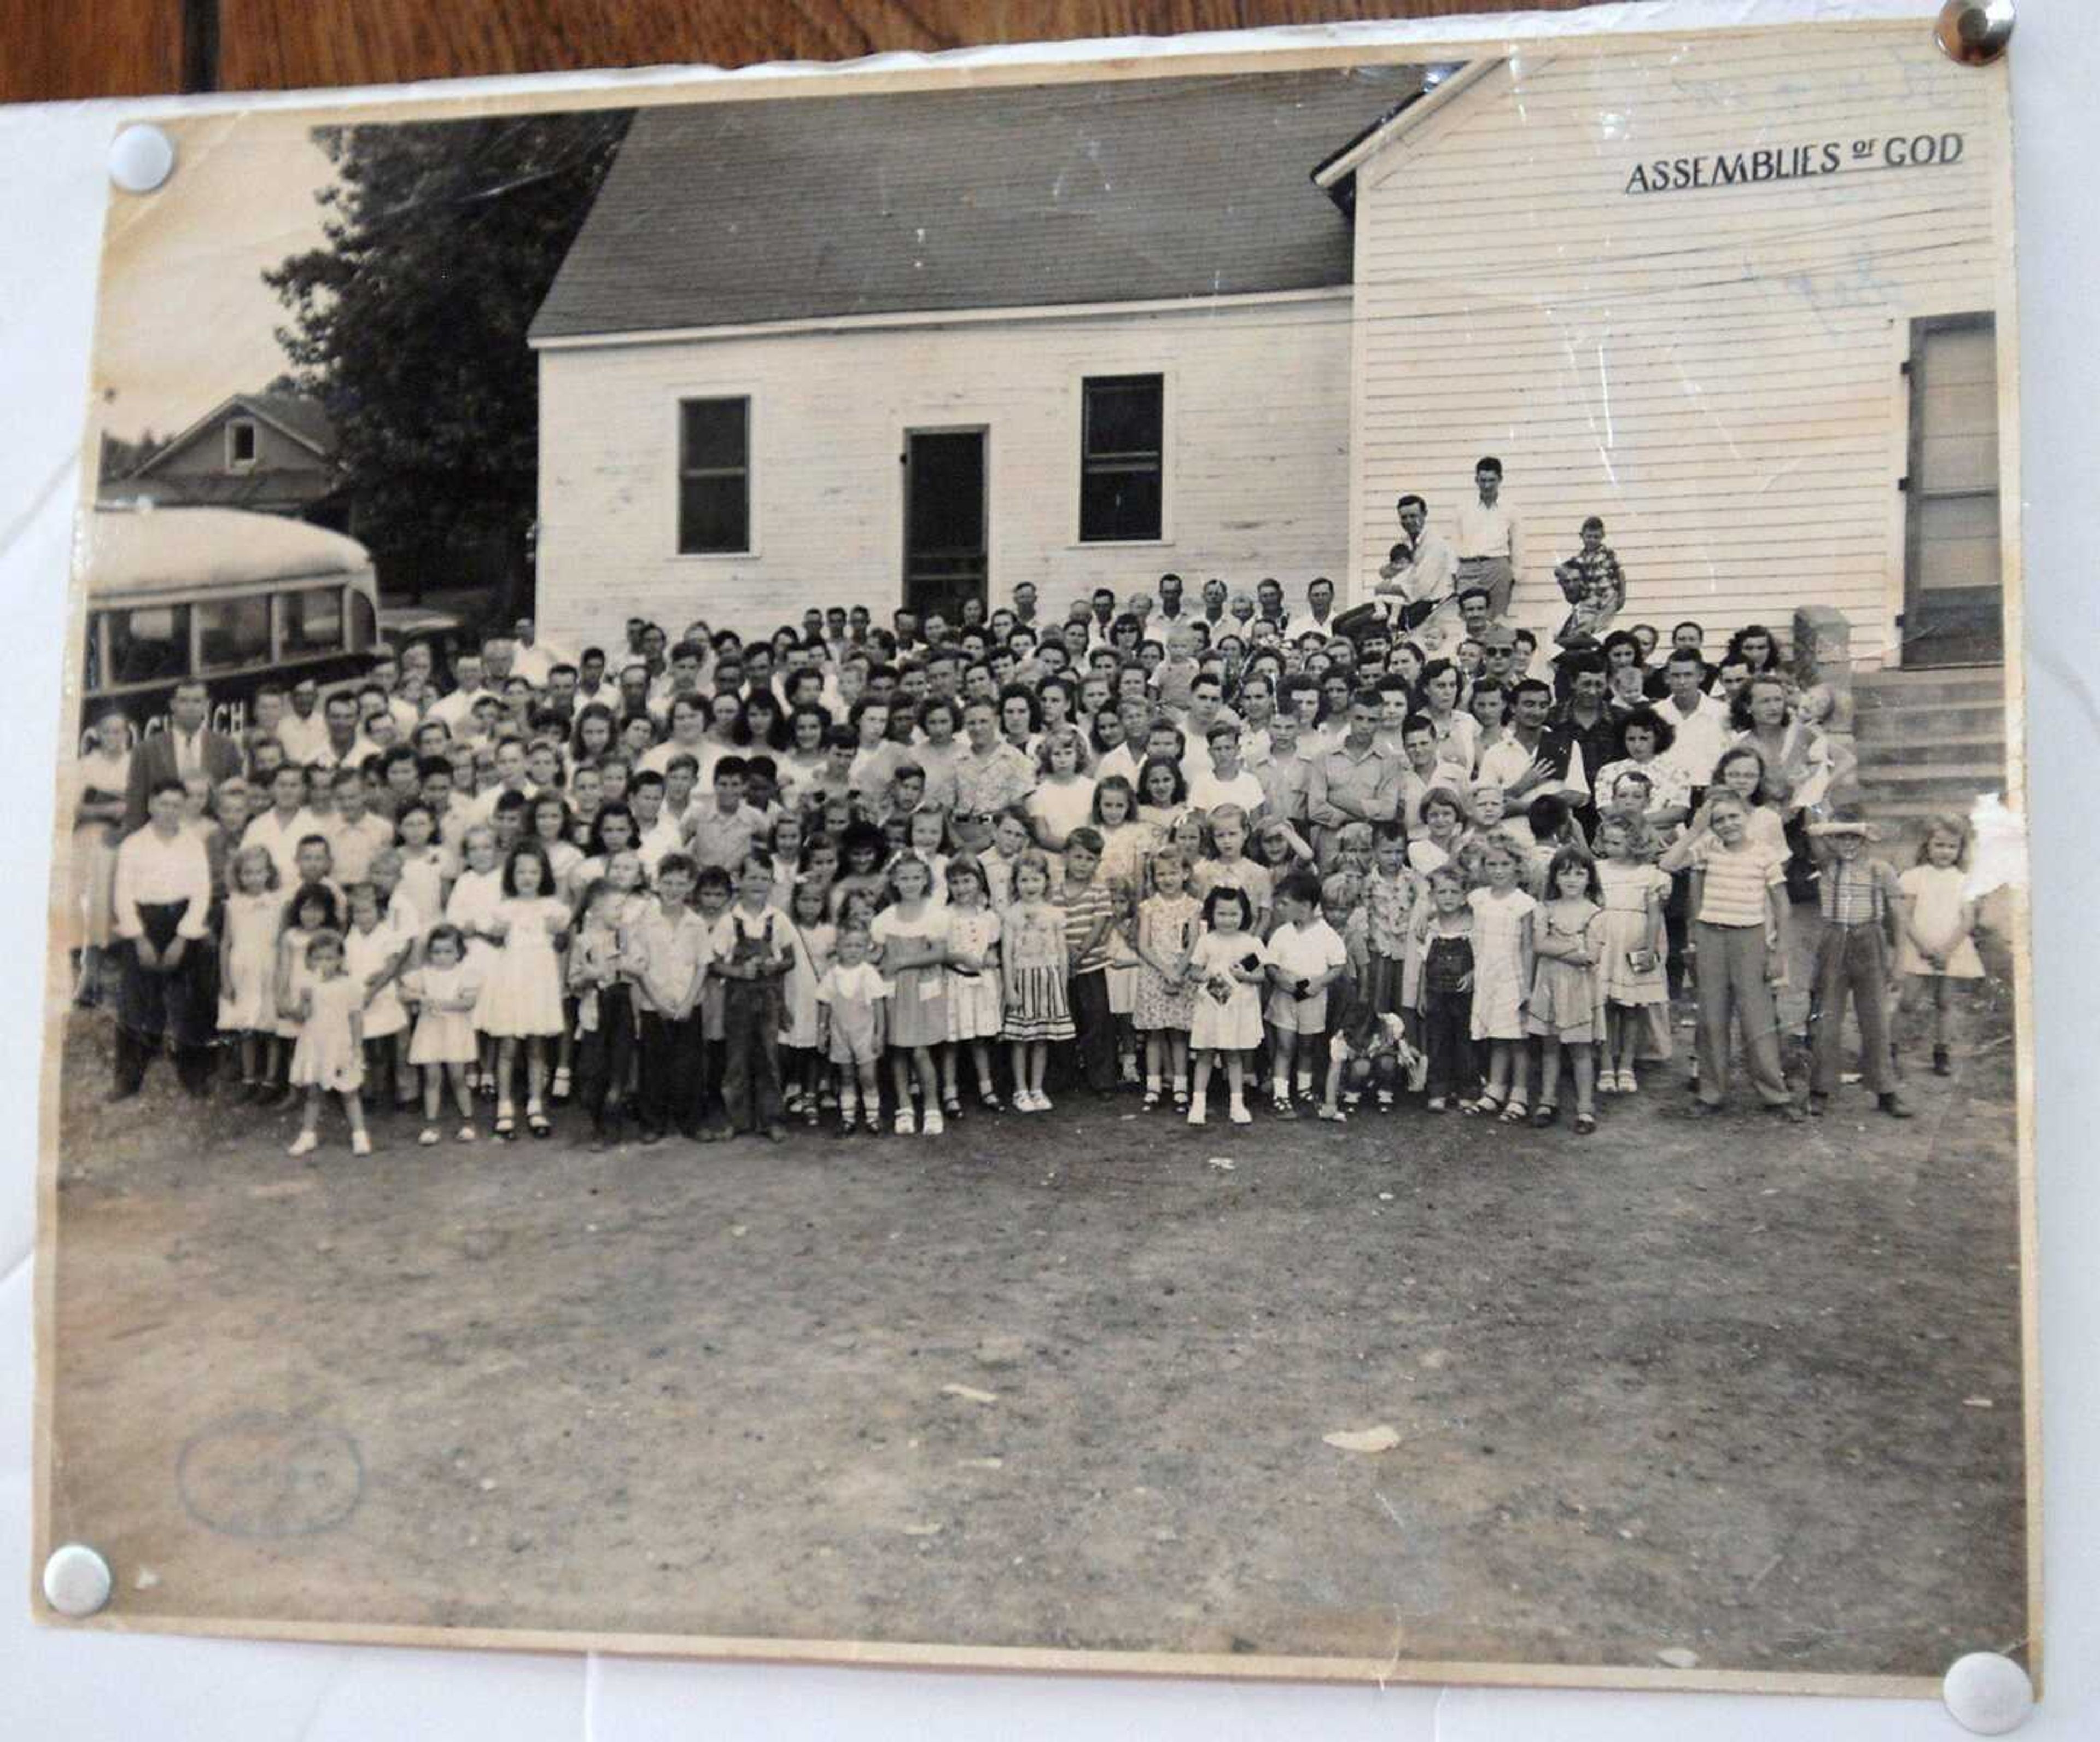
(1496,970)
(603,906)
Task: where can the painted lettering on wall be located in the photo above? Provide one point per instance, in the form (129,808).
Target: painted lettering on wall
(1765,164)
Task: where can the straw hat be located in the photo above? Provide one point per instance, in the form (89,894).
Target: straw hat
(1846,819)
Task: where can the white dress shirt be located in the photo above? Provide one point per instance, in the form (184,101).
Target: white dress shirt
(154,871)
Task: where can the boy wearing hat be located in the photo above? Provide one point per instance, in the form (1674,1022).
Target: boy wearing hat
(1860,898)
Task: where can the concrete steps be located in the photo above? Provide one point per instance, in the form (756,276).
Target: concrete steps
(1928,740)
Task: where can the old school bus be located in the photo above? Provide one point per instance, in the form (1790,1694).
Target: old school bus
(230,598)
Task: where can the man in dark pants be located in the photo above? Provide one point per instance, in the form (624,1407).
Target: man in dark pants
(169,995)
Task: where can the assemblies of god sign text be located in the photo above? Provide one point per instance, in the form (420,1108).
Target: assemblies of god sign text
(1789,163)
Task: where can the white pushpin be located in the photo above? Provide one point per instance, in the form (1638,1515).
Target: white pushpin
(76,1580)
(1987,1694)
(141,158)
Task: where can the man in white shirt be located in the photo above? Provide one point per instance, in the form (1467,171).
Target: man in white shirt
(304,729)
(680,679)
(529,659)
(1170,601)
(1318,617)
(162,901)
(1701,722)
(1489,544)
(278,830)
(1225,782)
(344,746)
(1427,577)
(456,711)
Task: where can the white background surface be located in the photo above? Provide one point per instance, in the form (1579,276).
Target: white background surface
(61,1685)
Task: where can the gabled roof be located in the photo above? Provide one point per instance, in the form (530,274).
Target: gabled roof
(292,414)
(737,214)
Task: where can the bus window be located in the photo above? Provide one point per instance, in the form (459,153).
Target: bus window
(310,622)
(149,644)
(364,623)
(233,634)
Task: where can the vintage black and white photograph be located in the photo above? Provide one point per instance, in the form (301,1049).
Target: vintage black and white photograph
(1184,863)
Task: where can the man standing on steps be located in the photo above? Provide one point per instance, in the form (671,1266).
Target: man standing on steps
(1489,544)
(1423,586)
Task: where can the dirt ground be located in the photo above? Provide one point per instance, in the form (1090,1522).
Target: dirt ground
(1732,1387)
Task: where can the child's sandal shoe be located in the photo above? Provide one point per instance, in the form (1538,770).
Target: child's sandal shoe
(988,1099)
(1150,1103)
(952,1105)
(906,1122)
(1585,1123)
(1515,1113)
(1281,1106)
(1544,1114)
(429,1137)
(1334,1115)
(537,1124)
(1486,1106)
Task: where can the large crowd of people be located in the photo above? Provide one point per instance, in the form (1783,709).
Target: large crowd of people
(1194,848)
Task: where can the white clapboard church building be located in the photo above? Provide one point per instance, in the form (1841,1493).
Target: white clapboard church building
(1736,294)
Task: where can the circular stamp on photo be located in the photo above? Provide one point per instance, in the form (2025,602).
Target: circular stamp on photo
(264,1476)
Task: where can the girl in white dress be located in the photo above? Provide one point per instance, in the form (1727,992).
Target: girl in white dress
(427,865)
(248,965)
(804,1066)
(375,954)
(548,820)
(1064,798)
(329,1057)
(444,991)
(1636,990)
(911,935)
(1229,965)
(471,906)
(926,835)
(1125,842)
(975,1004)
(1502,977)
(311,910)
(1938,945)
(521,1000)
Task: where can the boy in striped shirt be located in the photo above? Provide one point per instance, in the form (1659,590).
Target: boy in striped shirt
(1740,914)
(1090,914)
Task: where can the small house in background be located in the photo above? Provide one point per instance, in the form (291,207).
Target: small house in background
(1741,294)
(270,453)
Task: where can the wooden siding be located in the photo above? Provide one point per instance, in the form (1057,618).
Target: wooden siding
(1257,464)
(1716,372)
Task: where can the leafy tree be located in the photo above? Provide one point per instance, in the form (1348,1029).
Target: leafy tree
(409,324)
(120,459)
